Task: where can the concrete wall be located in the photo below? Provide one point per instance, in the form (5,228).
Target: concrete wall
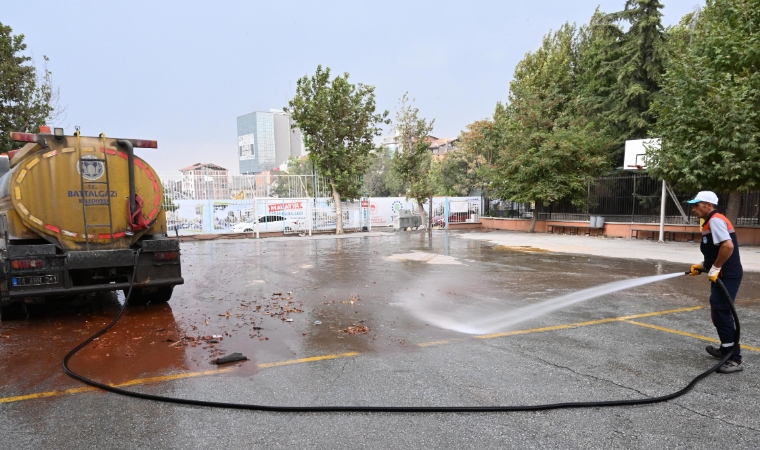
(746,235)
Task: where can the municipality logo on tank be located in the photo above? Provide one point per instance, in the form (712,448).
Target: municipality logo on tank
(91,170)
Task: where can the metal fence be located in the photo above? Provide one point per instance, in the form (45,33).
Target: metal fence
(634,198)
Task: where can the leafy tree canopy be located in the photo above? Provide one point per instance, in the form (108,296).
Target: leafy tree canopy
(26,102)
(709,108)
(619,72)
(550,151)
(339,122)
(413,161)
(381,180)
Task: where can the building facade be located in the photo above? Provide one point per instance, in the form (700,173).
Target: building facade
(203,181)
(266,140)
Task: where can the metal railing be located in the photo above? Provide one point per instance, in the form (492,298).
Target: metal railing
(634,198)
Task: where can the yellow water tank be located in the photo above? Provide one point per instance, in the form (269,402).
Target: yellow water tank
(74,191)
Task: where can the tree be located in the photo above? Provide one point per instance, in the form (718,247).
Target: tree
(709,108)
(26,102)
(413,161)
(550,151)
(381,180)
(460,172)
(619,72)
(339,122)
(472,165)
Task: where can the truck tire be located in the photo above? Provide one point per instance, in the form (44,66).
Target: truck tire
(14,311)
(140,297)
(163,295)
(34,310)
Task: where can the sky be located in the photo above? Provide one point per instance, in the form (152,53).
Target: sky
(181,72)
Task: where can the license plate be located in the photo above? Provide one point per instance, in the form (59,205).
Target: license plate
(35,281)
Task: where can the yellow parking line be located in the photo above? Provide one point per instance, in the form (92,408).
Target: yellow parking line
(434,343)
(684,333)
(351,354)
(19,398)
(177,376)
(590,322)
(305,360)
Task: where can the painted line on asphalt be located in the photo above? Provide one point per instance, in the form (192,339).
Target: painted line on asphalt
(134,382)
(588,323)
(684,333)
(139,381)
(311,359)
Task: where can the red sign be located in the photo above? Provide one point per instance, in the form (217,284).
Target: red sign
(365,204)
(279,207)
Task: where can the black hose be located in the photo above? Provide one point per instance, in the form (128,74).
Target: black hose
(395,409)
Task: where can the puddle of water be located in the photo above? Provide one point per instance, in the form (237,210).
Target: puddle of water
(430,258)
(488,318)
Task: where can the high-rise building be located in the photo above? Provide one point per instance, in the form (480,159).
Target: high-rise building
(266,140)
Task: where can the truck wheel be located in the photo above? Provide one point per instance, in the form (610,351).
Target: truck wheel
(37,309)
(137,298)
(141,297)
(14,311)
(163,295)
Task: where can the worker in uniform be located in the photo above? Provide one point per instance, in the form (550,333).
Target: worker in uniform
(721,259)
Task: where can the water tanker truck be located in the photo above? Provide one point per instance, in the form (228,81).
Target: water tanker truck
(74,211)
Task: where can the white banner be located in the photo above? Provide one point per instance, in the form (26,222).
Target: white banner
(384,210)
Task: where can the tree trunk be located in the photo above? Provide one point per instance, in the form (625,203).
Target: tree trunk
(534,219)
(338,210)
(421,212)
(732,208)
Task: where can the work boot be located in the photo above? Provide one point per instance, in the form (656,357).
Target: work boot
(731,366)
(714,351)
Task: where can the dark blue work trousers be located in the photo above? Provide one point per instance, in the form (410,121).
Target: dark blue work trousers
(721,314)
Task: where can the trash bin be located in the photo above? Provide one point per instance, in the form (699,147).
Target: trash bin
(592,221)
(599,222)
(408,220)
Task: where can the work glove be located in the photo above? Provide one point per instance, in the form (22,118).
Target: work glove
(713,274)
(696,269)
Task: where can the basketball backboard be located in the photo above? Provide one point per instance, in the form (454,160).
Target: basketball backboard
(635,153)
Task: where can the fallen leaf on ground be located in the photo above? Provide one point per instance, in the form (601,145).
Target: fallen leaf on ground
(357,329)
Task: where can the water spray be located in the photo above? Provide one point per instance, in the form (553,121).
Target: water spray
(500,322)
(411,409)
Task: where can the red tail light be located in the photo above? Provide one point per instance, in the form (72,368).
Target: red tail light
(27,264)
(165,256)
(23,137)
(144,143)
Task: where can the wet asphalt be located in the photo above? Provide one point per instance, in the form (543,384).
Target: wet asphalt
(263,298)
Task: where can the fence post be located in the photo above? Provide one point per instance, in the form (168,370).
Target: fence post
(256,216)
(446,214)
(662,214)
(310,216)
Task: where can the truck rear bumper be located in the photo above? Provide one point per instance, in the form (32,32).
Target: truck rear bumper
(50,292)
(55,275)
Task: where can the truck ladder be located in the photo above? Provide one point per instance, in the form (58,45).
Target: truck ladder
(106,183)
